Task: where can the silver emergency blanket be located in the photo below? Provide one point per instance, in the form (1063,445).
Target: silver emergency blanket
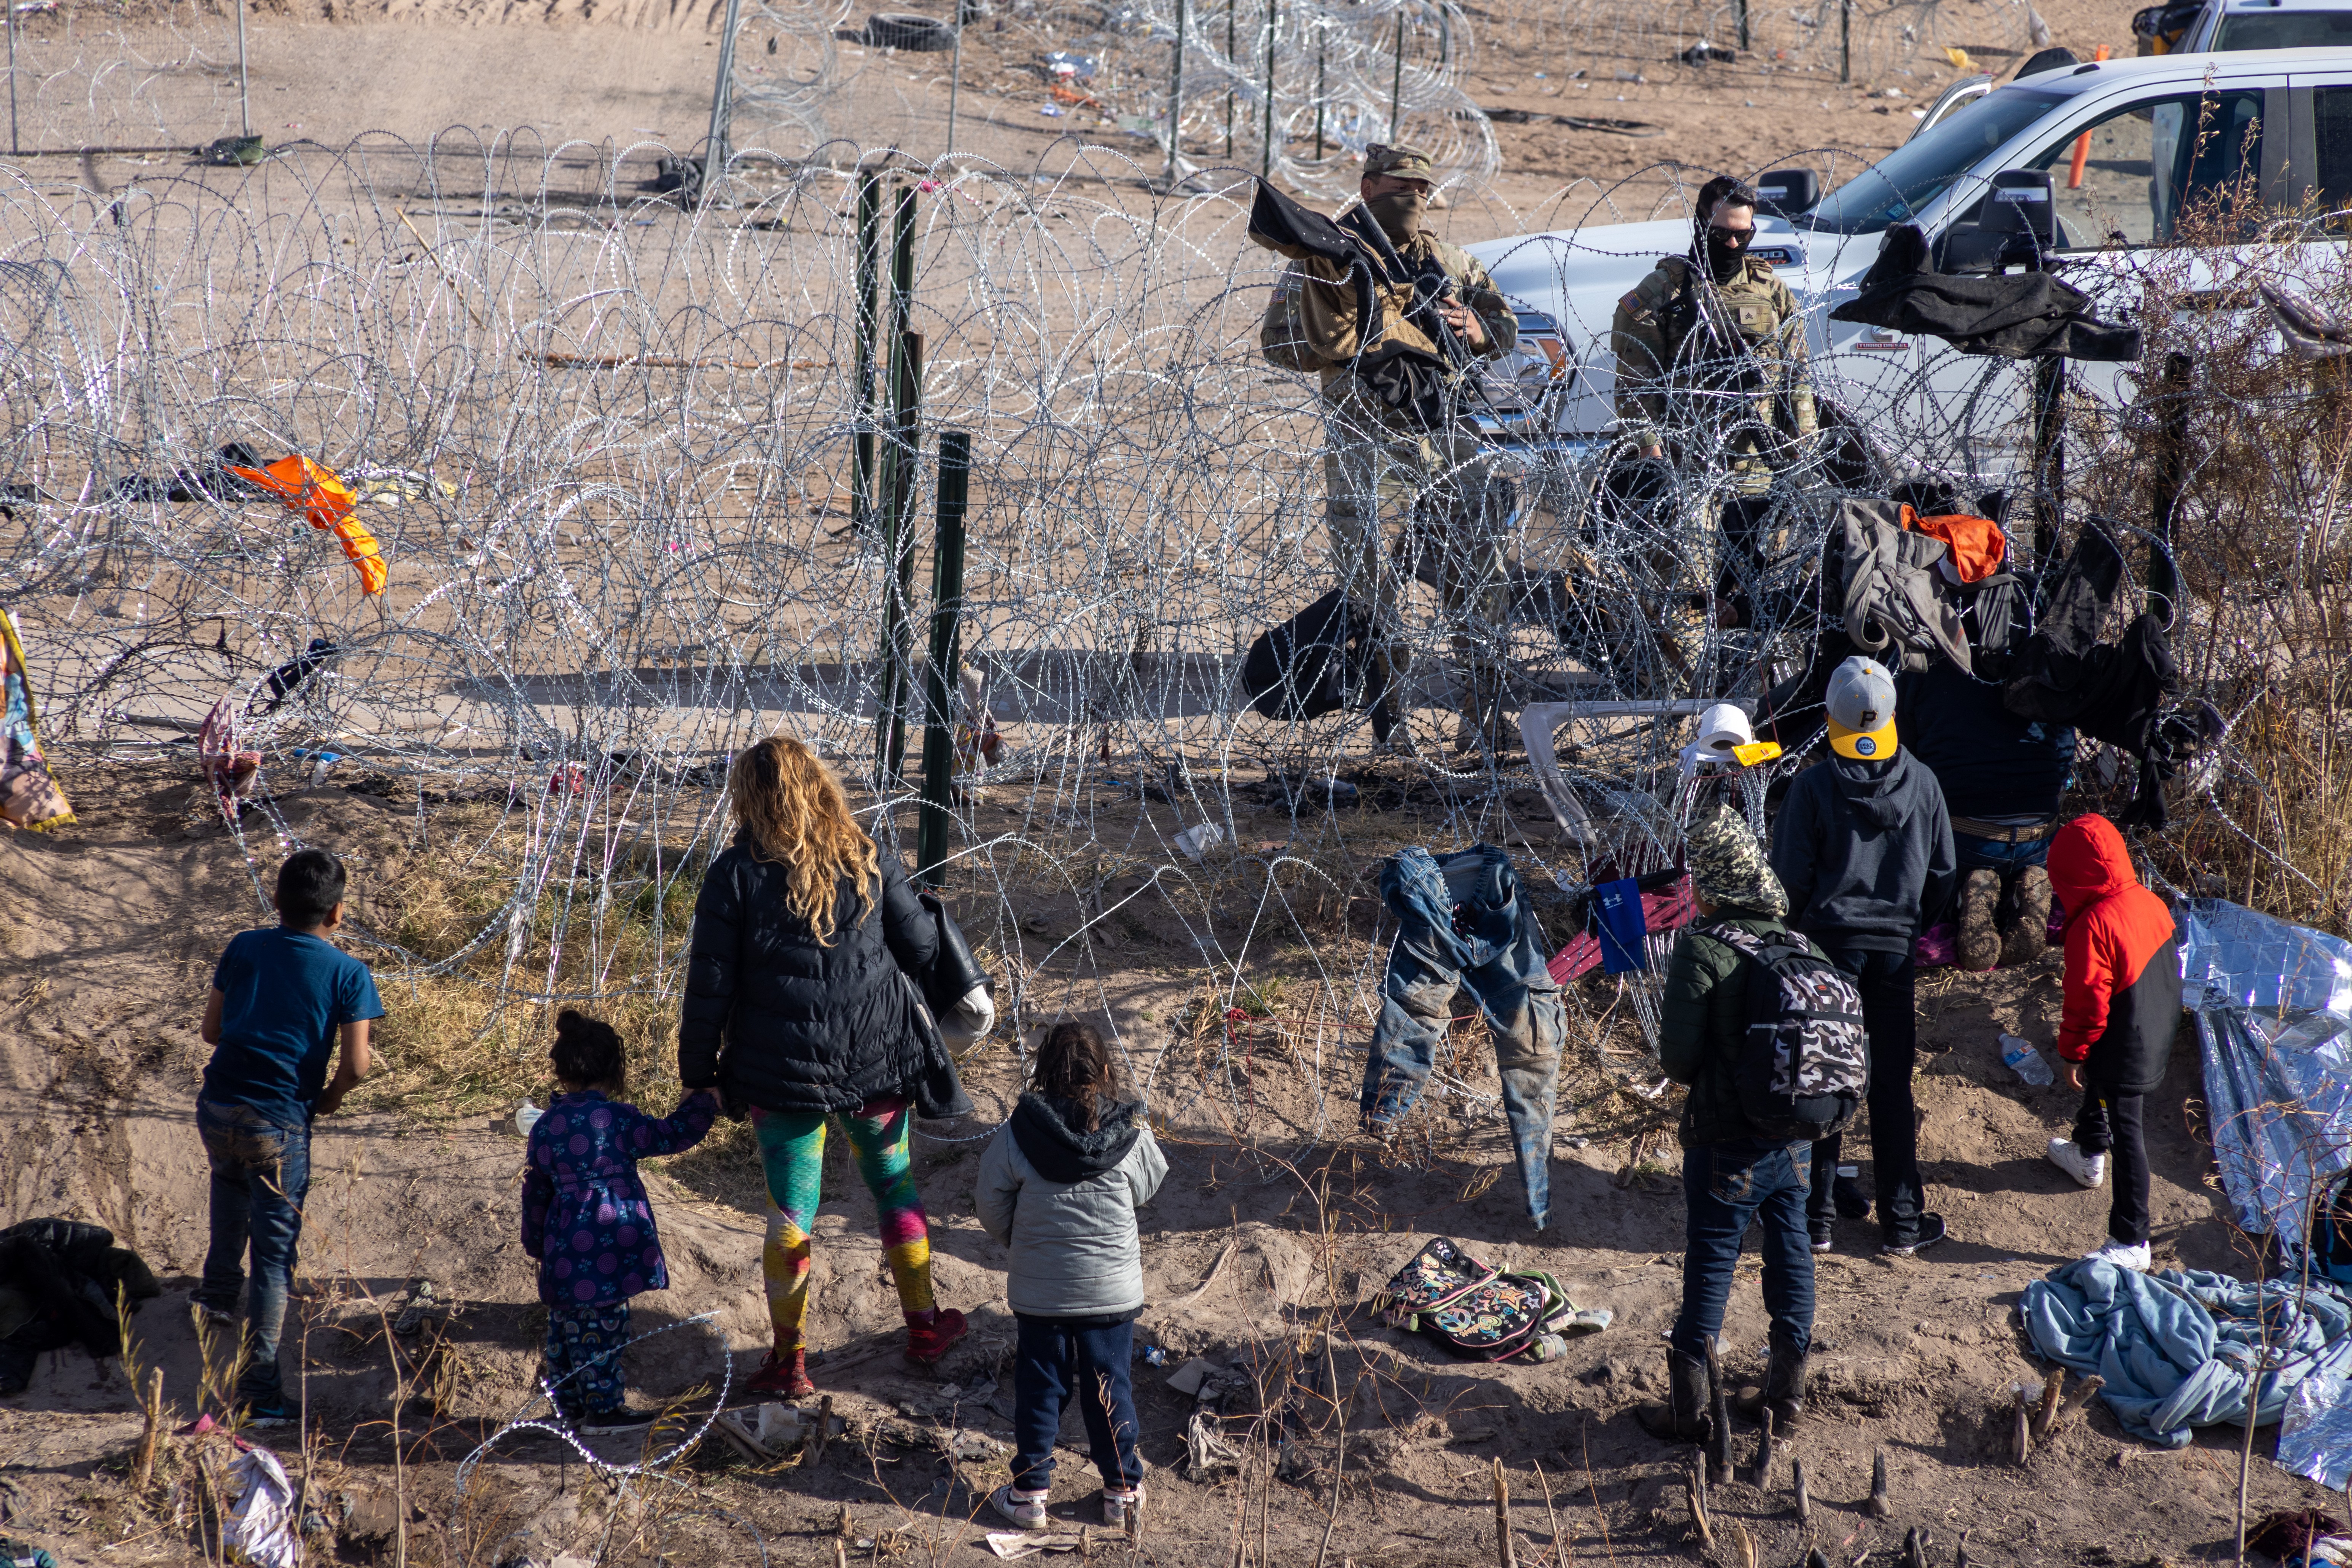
(2273,1006)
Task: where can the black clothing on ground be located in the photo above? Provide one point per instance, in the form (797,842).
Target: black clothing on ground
(1305,667)
(1990,761)
(2021,315)
(1888,1011)
(1052,1136)
(774,1020)
(1865,851)
(57,1284)
(2111,1124)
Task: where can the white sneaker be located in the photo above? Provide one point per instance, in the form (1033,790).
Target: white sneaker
(2088,1169)
(1026,1509)
(2124,1254)
(1119,1507)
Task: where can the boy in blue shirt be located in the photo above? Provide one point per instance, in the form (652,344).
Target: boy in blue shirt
(280,999)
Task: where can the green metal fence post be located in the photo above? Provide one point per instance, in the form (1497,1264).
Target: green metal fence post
(939,677)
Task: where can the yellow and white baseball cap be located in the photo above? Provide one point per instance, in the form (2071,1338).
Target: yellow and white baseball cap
(1861,711)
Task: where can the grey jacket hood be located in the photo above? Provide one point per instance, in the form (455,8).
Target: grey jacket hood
(1054,1135)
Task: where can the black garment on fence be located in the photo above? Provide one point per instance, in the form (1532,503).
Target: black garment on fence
(2021,315)
(2114,692)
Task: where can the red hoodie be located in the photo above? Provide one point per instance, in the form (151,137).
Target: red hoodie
(2113,927)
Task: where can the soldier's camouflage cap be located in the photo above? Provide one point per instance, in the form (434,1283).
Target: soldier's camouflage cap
(1410,162)
(1728,866)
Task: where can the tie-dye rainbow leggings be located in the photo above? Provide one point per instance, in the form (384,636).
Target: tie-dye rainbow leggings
(792,1152)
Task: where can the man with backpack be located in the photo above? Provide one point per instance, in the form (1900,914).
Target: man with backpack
(1864,847)
(1767,1036)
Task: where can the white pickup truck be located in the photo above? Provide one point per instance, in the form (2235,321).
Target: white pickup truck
(2129,145)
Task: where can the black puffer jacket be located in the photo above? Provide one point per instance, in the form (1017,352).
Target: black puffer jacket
(775,1021)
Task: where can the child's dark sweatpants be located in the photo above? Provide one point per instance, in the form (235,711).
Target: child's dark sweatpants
(1055,1358)
(2109,1124)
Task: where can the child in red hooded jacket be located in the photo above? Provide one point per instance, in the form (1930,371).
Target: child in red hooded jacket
(2115,1034)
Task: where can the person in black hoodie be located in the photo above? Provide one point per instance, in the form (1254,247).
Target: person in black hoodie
(797,1005)
(1864,847)
(1059,1186)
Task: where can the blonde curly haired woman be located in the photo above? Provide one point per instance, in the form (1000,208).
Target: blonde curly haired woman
(795,1008)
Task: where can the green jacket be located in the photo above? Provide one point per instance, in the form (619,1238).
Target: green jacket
(1702,1020)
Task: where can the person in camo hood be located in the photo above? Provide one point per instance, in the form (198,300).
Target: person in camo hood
(1731,1175)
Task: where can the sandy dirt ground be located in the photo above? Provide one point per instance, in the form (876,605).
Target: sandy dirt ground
(107,933)
(1258,1240)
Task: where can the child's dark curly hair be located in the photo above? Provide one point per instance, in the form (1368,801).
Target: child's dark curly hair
(1073,1063)
(587,1053)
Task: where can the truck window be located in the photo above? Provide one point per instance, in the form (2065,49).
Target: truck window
(1894,189)
(2331,125)
(2285,30)
(2152,165)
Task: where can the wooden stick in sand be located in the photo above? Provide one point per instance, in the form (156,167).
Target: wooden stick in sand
(1507,1553)
(2053,1383)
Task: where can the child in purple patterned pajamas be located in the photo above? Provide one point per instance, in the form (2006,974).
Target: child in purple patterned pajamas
(586,1218)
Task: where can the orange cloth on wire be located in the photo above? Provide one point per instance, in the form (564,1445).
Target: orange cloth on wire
(322,497)
(1977,545)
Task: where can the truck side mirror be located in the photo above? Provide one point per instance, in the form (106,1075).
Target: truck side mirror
(1789,191)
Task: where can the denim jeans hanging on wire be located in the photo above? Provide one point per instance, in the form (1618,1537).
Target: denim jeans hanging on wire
(1465,927)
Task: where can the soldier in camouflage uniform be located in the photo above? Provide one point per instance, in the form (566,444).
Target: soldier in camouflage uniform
(1711,361)
(1380,468)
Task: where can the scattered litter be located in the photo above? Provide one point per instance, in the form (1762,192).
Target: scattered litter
(1155,1355)
(261,1521)
(1010,1544)
(1070,67)
(1207,1456)
(526,1117)
(1188,1378)
(1050,110)
(422,1304)
(2026,1062)
(1197,841)
(1703,53)
(766,1432)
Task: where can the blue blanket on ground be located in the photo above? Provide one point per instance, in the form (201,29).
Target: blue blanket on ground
(2175,1348)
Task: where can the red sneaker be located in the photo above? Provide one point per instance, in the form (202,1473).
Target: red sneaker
(926,1343)
(783,1372)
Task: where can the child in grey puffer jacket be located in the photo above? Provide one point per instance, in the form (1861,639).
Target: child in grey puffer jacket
(1059,1186)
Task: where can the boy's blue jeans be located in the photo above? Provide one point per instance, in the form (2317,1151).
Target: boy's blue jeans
(261,1177)
(1055,1357)
(1727,1186)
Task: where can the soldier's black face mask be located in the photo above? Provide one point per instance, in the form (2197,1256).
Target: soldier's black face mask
(1725,249)
(1398,213)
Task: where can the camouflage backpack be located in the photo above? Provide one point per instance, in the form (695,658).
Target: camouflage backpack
(1804,1062)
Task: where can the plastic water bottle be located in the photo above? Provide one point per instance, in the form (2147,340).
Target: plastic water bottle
(526,1117)
(2026,1062)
